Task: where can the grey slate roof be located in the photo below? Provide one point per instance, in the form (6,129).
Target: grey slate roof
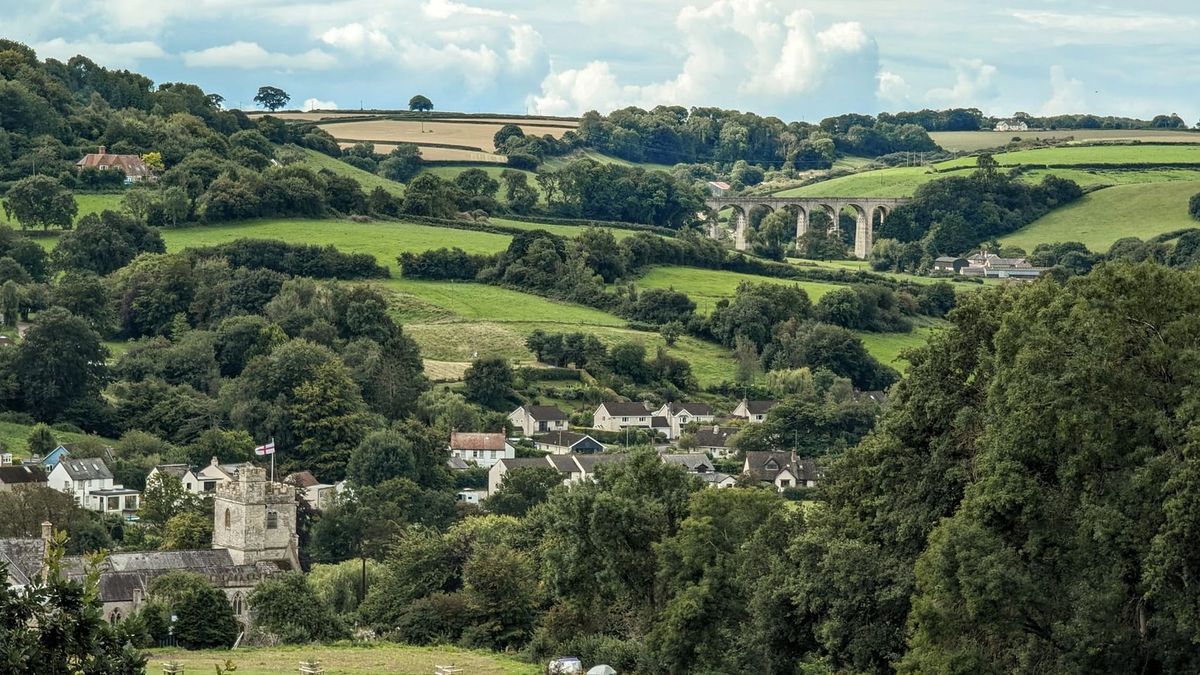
(545,412)
(590,462)
(694,462)
(23,556)
(695,409)
(659,423)
(765,466)
(92,468)
(564,463)
(564,439)
(21,475)
(176,470)
(617,409)
(714,437)
(759,407)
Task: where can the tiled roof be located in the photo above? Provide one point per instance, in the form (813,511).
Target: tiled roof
(176,470)
(691,408)
(659,423)
(132,165)
(472,441)
(714,437)
(695,462)
(564,439)
(764,466)
(303,479)
(590,462)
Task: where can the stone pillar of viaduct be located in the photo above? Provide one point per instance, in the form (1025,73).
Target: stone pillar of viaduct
(867,211)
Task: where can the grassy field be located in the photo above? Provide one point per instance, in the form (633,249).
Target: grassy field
(887,347)
(554,163)
(1104,216)
(956,141)
(319,160)
(899,181)
(95,202)
(343,660)
(706,287)
(1092,154)
(13,437)
(468,135)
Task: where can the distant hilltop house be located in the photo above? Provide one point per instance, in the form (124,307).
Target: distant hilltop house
(1011,125)
(133,166)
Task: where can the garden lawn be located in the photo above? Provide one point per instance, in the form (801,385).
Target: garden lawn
(342,660)
(1104,216)
(705,287)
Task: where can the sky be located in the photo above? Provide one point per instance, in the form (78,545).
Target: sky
(797,60)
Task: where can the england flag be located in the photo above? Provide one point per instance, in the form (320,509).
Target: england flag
(268,449)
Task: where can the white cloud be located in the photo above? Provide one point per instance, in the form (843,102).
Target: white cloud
(892,87)
(1108,24)
(749,54)
(356,37)
(251,56)
(974,84)
(526,46)
(318,104)
(445,9)
(1066,94)
(110,54)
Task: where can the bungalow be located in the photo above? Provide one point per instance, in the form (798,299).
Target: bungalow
(538,419)
(753,411)
(714,440)
(701,467)
(566,442)
(782,470)
(318,495)
(572,468)
(133,166)
(679,415)
(618,416)
(483,449)
(91,484)
(15,477)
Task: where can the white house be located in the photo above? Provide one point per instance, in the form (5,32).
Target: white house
(181,471)
(1011,125)
(571,467)
(538,419)
(215,474)
(753,411)
(483,449)
(617,416)
(783,469)
(700,466)
(679,415)
(318,495)
(91,484)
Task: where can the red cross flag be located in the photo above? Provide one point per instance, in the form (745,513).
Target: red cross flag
(268,449)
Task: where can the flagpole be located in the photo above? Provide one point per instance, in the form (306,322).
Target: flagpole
(272,459)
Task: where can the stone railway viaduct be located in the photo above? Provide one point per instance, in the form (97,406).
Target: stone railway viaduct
(868,212)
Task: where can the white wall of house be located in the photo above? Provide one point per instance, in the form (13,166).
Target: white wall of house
(60,480)
(602,420)
(523,420)
(485,458)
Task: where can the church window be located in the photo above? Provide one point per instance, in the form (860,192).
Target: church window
(237,603)
(272,520)
(227,519)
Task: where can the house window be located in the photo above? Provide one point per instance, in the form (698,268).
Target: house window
(114,504)
(227,519)
(785,483)
(272,520)
(624,419)
(210,485)
(66,486)
(542,426)
(131,503)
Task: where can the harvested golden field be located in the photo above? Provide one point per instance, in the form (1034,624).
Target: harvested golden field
(314,116)
(467,134)
(442,154)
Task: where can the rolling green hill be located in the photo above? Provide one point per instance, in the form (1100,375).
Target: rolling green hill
(1104,216)
(319,160)
(956,141)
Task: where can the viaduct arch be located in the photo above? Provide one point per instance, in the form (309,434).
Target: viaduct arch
(866,209)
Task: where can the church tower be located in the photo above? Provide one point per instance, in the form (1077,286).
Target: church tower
(255,519)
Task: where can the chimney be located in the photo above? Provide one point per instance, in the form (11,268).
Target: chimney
(47,531)
(103,150)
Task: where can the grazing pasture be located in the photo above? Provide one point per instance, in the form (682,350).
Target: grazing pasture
(968,141)
(1104,216)
(343,659)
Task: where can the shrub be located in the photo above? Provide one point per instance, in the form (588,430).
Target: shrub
(434,619)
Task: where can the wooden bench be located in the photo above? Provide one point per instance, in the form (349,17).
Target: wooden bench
(172,668)
(312,667)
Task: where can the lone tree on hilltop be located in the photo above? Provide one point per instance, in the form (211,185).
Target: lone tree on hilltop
(420,103)
(271,98)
